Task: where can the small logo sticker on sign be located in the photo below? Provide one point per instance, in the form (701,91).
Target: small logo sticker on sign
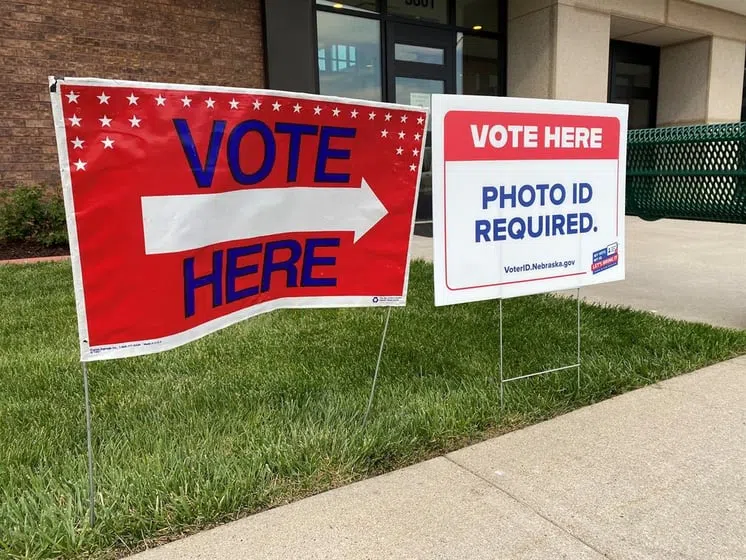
(606,258)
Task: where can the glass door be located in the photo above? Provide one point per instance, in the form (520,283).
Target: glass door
(633,79)
(421,62)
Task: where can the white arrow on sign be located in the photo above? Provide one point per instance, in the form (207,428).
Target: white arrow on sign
(183,222)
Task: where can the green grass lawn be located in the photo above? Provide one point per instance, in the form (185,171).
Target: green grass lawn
(270,410)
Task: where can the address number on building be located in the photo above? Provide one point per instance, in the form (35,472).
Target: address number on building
(421,3)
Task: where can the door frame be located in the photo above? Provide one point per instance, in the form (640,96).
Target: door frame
(635,53)
(412,34)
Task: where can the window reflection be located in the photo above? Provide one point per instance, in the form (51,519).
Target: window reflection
(630,74)
(476,66)
(478,14)
(417,91)
(349,56)
(639,112)
(634,80)
(416,53)
(357,5)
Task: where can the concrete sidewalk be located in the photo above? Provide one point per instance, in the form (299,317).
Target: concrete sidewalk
(692,271)
(656,473)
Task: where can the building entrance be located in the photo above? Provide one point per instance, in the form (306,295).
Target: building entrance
(421,62)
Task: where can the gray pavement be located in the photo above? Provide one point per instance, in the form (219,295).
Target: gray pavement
(694,271)
(656,473)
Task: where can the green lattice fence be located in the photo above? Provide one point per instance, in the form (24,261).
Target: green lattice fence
(688,172)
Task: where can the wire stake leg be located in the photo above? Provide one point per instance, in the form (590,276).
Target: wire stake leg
(378,366)
(91,486)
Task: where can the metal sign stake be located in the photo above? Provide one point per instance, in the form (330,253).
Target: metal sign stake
(378,366)
(501,357)
(91,487)
(503,380)
(578,298)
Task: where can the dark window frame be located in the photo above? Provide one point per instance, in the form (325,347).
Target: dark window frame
(384,18)
(436,38)
(635,53)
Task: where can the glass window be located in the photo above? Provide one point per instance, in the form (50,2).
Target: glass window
(417,92)
(629,74)
(476,66)
(343,57)
(478,14)
(633,79)
(349,53)
(358,5)
(428,10)
(416,53)
(639,113)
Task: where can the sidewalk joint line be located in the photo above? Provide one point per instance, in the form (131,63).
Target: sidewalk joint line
(544,517)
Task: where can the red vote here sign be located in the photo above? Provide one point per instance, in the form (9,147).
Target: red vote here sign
(191,208)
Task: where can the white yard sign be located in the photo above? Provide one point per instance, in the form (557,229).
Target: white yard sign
(528,196)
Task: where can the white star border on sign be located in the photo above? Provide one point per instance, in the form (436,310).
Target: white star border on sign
(413,138)
(405,135)
(320,107)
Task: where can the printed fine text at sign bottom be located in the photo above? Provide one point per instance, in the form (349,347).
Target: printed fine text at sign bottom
(539,266)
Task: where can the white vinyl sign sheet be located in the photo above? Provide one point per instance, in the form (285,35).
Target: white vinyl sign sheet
(528,195)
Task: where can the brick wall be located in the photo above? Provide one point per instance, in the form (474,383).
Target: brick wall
(217,42)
